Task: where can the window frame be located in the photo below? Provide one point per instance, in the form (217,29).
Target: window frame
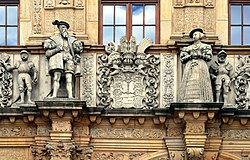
(128,4)
(6,3)
(241,3)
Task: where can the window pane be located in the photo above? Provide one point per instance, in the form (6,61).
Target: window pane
(2,37)
(137,14)
(11,35)
(108,14)
(150,32)
(137,31)
(108,34)
(246,14)
(2,15)
(120,14)
(246,33)
(236,14)
(236,35)
(119,32)
(12,15)
(150,14)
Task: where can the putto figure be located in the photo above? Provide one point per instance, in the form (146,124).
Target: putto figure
(27,75)
(63,53)
(222,73)
(196,83)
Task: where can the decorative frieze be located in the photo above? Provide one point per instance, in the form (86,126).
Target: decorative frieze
(127,133)
(17,131)
(175,132)
(117,155)
(213,132)
(236,134)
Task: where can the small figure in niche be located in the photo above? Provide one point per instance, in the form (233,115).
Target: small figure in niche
(222,74)
(27,75)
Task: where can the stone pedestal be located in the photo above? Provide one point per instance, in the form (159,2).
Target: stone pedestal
(61,113)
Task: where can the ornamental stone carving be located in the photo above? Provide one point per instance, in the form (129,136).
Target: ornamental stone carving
(195,153)
(127,133)
(117,155)
(37,17)
(196,84)
(168,79)
(17,131)
(242,89)
(68,150)
(39,152)
(128,77)
(6,81)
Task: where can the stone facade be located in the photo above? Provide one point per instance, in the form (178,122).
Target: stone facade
(126,104)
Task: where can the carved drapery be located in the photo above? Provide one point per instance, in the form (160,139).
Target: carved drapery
(128,78)
(6,81)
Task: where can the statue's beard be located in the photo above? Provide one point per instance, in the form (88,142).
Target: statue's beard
(65,34)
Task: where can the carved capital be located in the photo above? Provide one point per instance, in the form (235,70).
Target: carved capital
(58,150)
(39,152)
(195,153)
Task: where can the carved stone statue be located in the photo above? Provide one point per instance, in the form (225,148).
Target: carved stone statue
(27,75)
(222,73)
(196,83)
(62,51)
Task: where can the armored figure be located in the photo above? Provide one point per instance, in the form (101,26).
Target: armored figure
(62,51)
(196,83)
(27,75)
(222,74)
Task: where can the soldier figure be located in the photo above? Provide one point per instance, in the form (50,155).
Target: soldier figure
(27,74)
(222,73)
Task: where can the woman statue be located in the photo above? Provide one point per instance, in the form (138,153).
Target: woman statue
(196,83)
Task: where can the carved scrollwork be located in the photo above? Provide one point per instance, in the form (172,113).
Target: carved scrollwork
(242,83)
(68,150)
(126,77)
(168,79)
(37,16)
(38,152)
(6,81)
(195,153)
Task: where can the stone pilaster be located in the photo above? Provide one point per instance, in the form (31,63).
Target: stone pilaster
(195,116)
(61,113)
